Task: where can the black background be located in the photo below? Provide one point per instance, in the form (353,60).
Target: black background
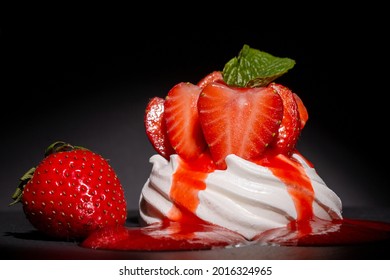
(87,81)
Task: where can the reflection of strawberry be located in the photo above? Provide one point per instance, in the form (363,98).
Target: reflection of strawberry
(155,127)
(181,117)
(71,193)
(241,121)
(165,236)
(290,127)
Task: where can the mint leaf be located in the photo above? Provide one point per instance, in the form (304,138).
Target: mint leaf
(254,68)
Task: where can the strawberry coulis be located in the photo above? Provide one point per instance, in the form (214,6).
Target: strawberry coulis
(183,230)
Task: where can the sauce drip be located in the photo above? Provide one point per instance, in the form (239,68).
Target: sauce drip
(298,184)
(187,181)
(183,230)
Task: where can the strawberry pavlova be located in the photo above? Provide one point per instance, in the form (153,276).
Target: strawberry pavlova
(227,156)
(227,173)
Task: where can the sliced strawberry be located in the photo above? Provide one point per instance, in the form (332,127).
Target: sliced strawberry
(290,128)
(241,121)
(155,127)
(181,117)
(303,114)
(212,77)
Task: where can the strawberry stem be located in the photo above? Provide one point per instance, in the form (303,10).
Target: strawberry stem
(60,146)
(17,196)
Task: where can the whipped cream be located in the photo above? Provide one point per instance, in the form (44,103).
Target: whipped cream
(246,197)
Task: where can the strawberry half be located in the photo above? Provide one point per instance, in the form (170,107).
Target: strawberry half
(240,121)
(303,113)
(290,127)
(155,127)
(71,192)
(182,121)
(215,76)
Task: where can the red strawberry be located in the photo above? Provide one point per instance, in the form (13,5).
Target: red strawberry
(303,114)
(155,127)
(72,192)
(181,116)
(241,121)
(290,128)
(214,76)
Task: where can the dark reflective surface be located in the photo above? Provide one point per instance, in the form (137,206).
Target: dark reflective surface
(18,240)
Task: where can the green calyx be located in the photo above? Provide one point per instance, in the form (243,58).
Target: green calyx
(60,146)
(56,147)
(254,68)
(17,196)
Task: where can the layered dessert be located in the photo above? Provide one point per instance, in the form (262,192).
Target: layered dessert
(227,152)
(227,171)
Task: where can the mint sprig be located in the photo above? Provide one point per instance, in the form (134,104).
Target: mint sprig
(255,68)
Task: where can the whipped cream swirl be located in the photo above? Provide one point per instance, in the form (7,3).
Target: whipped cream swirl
(246,198)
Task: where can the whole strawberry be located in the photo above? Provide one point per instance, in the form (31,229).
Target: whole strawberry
(72,192)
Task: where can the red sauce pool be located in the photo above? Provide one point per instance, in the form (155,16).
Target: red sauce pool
(182,230)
